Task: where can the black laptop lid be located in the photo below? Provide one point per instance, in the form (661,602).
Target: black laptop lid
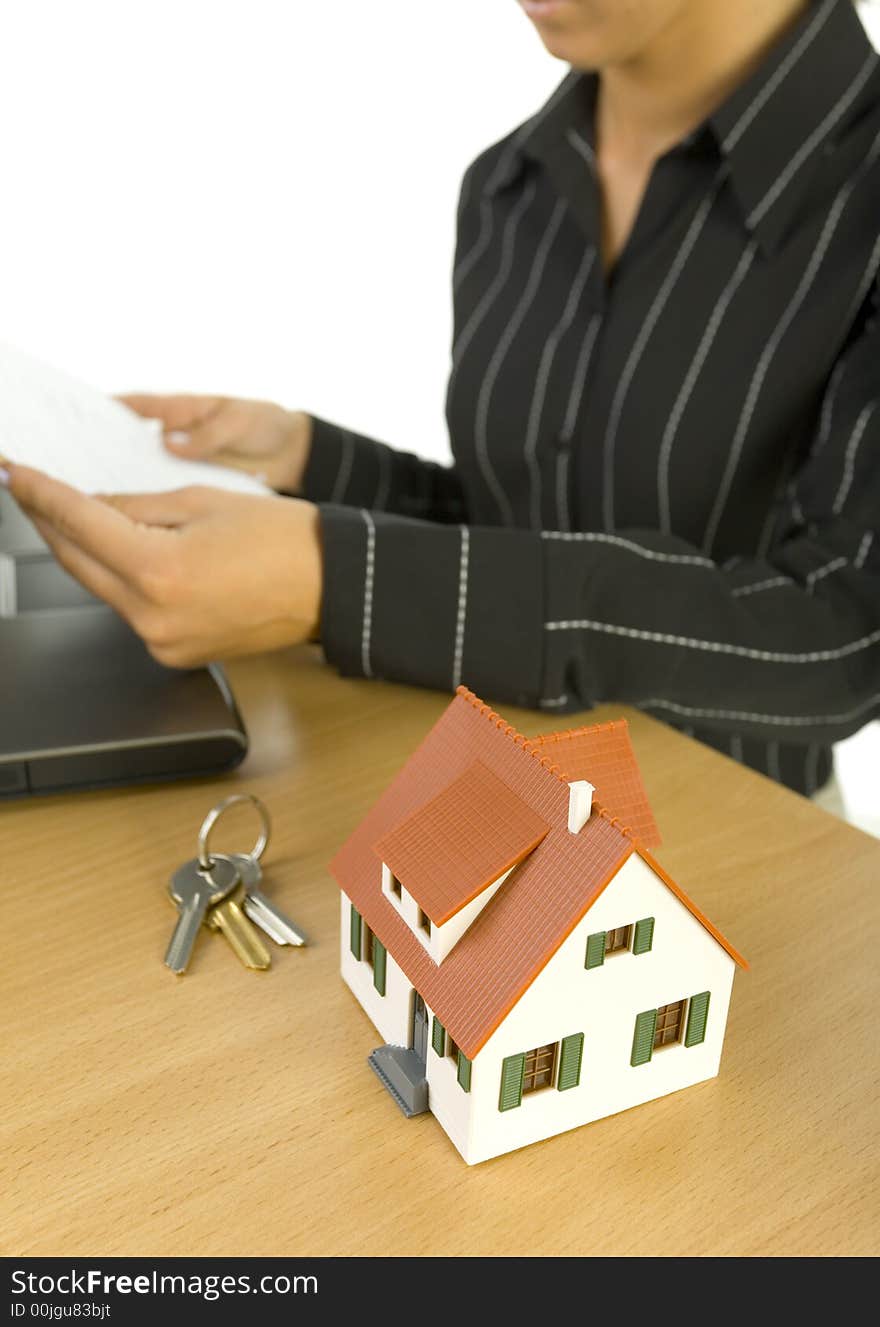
(83,704)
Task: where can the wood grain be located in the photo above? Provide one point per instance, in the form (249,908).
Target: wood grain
(232,1112)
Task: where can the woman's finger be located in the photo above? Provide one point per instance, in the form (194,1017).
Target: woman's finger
(96,578)
(170,510)
(206,437)
(194,426)
(104,534)
(176,412)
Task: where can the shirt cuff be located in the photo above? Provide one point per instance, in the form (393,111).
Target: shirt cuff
(343,467)
(433,605)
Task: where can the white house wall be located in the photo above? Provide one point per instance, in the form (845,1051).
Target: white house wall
(448,1101)
(603,1003)
(404,904)
(390,1013)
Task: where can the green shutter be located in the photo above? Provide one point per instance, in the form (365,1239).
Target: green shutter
(437,1035)
(698,1012)
(464,1071)
(512,1071)
(644,936)
(379,953)
(570,1061)
(356,931)
(595,950)
(643,1037)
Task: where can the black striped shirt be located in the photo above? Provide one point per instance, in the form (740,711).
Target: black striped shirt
(666,480)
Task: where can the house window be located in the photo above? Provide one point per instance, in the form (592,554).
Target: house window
(395,885)
(634,938)
(374,955)
(539,1067)
(424,921)
(670,1020)
(618,940)
(461,1062)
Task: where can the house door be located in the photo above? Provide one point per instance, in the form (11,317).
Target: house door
(419,1027)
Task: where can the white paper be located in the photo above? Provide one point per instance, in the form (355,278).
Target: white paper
(75,433)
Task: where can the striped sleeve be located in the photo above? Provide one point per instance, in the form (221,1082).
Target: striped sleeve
(349,469)
(780,646)
(432,604)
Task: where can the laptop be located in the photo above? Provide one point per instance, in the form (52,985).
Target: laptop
(82,702)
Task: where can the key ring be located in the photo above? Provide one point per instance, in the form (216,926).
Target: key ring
(206,861)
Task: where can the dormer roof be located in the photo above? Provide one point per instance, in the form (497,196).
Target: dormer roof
(460,841)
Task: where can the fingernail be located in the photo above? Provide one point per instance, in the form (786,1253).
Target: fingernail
(4,476)
(178,438)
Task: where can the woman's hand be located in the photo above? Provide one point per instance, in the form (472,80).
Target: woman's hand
(199,573)
(256,436)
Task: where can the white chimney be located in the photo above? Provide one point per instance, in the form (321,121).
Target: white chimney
(580,803)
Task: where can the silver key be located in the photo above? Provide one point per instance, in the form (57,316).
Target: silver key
(261,910)
(194,890)
(255,913)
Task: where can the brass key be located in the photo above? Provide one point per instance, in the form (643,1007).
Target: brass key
(228,918)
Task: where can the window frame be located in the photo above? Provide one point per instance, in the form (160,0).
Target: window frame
(537,1051)
(626,947)
(683,1005)
(639,941)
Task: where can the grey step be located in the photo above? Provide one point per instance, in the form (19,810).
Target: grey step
(403,1075)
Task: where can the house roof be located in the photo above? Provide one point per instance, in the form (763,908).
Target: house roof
(449,850)
(604,756)
(526,921)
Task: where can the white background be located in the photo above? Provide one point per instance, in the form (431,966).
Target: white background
(258,198)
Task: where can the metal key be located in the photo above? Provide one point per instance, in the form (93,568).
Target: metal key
(194,890)
(228,918)
(265,923)
(260,908)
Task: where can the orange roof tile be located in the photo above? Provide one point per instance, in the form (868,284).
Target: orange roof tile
(524,924)
(449,850)
(603,755)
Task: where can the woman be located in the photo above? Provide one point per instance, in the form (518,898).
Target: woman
(662,407)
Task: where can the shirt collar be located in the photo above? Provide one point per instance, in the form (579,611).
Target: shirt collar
(773,131)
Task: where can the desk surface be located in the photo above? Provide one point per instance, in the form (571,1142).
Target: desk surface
(230,1112)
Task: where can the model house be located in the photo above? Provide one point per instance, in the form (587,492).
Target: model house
(528,965)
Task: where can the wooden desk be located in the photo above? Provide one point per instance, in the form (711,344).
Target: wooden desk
(230,1112)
